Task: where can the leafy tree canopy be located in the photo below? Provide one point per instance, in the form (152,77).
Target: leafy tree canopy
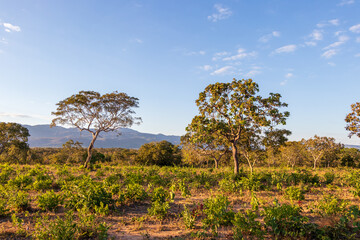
(13,141)
(235,112)
(353,120)
(161,153)
(90,111)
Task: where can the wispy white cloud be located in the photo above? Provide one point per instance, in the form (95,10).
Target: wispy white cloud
(9,27)
(205,67)
(358,39)
(329,53)
(286,49)
(241,53)
(219,55)
(332,64)
(223,70)
(316,35)
(138,40)
(195,53)
(3,41)
(342,39)
(269,36)
(252,73)
(332,22)
(221,13)
(357,55)
(355,28)
(346,2)
(310,43)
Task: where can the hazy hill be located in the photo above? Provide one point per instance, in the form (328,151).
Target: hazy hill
(352,146)
(44,136)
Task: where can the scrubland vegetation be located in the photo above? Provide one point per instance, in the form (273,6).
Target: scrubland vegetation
(119,197)
(235,176)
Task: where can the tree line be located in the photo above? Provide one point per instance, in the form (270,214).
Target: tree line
(234,122)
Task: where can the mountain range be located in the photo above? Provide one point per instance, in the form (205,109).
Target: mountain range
(44,136)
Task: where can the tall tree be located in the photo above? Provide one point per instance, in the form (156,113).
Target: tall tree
(293,153)
(318,147)
(234,110)
(13,141)
(272,140)
(205,139)
(92,112)
(353,120)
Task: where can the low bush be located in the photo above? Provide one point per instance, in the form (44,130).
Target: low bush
(246,226)
(49,201)
(285,221)
(132,193)
(217,213)
(294,193)
(331,205)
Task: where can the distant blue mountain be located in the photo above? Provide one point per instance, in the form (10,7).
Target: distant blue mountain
(44,136)
(352,146)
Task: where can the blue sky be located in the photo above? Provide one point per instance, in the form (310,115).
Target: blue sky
(166,52)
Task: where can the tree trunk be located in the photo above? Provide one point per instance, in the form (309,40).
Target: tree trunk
(89,149)
(235,157)
(249,162)
(216,161)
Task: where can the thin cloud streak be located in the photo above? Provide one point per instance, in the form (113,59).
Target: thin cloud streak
(269,36)
(222,71)
(286,49)
(355,28)
(221,13)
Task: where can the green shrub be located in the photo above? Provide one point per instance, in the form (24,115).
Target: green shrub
(229,185)
(69,228)
(58,229)
(159,209)
(246,226)
(133,193)
(285,221)
(86,192)
(102,210)
(19,224)
(20,200)
(42,184)
(294,193)
(217,213)
(21,181)
(159,195)
(182,187)
(347,226)
(49,201)
(189,218)
(134,178)
(329,177)
(89,227)
(331,205)
(4,210)
(6,172)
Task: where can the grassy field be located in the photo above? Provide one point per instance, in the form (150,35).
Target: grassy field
(116,202)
